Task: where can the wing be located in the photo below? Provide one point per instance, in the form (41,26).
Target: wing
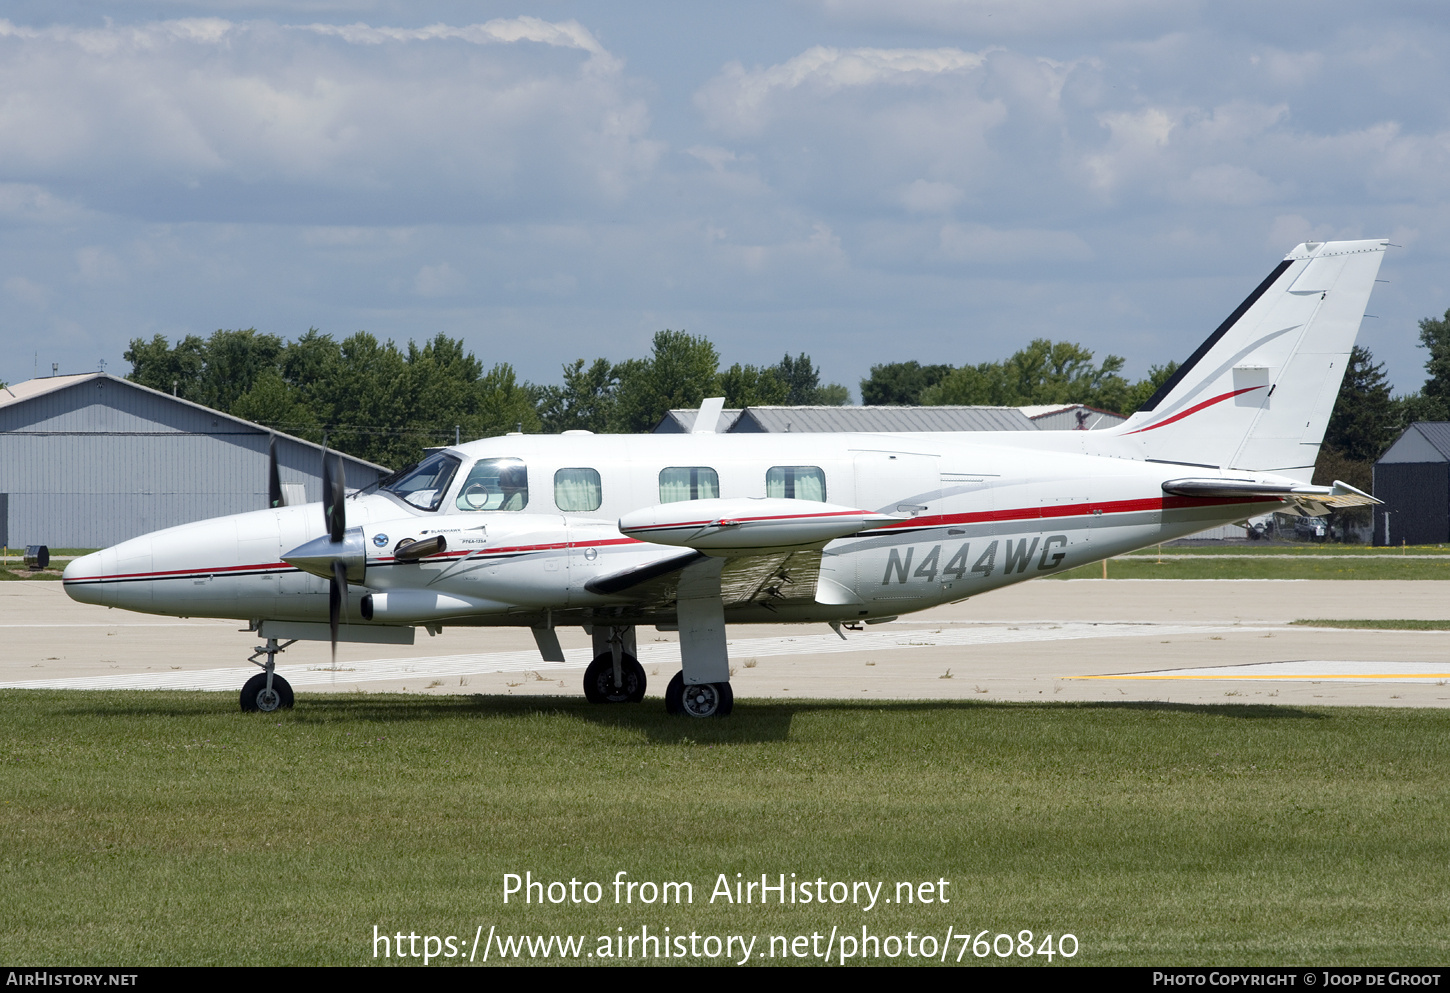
(767,579)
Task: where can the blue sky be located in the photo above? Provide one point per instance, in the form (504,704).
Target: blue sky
(866,182)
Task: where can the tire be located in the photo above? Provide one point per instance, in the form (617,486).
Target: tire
(599,680)
(255,700)
(704,700)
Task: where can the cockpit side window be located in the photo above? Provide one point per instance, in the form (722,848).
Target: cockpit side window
(495,484)
(425,485)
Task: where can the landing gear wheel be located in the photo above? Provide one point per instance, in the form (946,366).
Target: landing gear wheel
(702,700)
(599,680)
(256,697)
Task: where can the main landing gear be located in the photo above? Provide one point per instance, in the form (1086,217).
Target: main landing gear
(615,675)
(267,691)
(701,700)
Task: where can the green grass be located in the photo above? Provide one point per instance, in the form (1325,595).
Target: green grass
(13,566)
(1141,566)
(1294,548)
(23,574)
(159,828)
(1380,625)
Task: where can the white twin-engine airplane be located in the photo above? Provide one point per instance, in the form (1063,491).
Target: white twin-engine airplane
(693,532)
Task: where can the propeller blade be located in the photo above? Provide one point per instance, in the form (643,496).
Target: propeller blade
(274,478)
(336,598)
(334,488)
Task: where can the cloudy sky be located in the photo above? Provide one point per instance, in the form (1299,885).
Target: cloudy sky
(864,181)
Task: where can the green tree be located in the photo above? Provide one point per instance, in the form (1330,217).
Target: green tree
(233,361)
(1142,391)
(1365,419)
(585,400)
(1432,403)
(803,382)
(681,371)
(753,386)
(276,404)
(900,383)
(503,404)
(176,370)
(364,397)
(1043,372)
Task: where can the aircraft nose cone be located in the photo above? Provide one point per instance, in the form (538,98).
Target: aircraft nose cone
(82,577)
(318,555)
(314,556)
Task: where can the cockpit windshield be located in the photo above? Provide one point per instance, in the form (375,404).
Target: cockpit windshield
(424,485)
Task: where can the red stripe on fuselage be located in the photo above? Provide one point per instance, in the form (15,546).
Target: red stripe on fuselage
(1069,510)
(276,566)
(938,520)
(748,520)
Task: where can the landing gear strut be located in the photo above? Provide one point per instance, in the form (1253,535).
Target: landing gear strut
(615,675)
(267,691)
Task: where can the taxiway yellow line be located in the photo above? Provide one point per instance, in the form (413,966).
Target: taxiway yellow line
(1362,675)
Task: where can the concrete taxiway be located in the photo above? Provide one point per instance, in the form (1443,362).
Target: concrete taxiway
(1158,640)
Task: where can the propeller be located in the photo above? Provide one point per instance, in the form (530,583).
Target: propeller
(274,478)
(339,556)
(334,490)
(334,514)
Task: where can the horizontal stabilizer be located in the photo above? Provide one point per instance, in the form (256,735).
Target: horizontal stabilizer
(1334,497)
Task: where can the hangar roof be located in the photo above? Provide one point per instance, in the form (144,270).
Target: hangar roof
(1423,441)
(18,393)
(864,419)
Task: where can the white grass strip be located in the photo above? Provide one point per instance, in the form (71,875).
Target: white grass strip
(1311,670)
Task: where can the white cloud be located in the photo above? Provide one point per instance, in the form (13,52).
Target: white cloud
(1003,17)
(560,284)
(813,251)
(438,281)
(97,265)
(1226,184)
(27,291)
(248,119)
(1026,167)
(979,244)
(925,197)
(1289,68)
(743,101)
(568,34)
(29,203)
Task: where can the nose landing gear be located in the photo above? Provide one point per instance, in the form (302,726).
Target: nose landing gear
(267,691)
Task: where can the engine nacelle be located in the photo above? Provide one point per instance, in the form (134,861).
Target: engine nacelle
(746,523)
(422,606)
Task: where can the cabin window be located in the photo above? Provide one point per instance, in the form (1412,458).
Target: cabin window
(796,482)
(423,485)
(495,484)
(694,482)
(577,489)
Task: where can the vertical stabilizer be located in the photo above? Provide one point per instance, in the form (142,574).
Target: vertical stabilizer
(1258,393)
